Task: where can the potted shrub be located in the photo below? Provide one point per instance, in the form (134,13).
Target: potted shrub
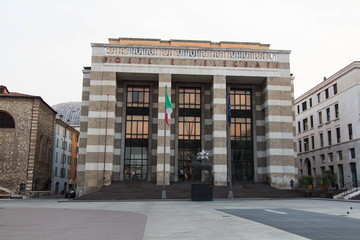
(327,179)
(307,182)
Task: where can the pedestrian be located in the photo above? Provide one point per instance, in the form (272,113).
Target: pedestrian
(132,176)
(292,184)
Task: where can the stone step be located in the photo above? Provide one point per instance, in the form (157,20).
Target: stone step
(149,190)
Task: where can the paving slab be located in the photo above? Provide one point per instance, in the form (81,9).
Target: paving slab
(175,219)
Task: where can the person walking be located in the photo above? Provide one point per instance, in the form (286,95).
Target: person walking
(292,184)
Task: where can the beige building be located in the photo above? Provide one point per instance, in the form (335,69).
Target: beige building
(122,129)
(27,134)
(328,128)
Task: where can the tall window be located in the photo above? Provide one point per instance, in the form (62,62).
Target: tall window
(306,144)
(350,131)
(335,89)
(329,138)
(311,121)
(312,142)
(327,93)
(318,97)
(321,140)
(6,120)
(320,117)
(305,124)
(310,102)
(304,106)
(137,133)
(338,137)
(340,155)
(352,152)
(300,150)
(336,110)
(328,114)
(299,127)
(189,129)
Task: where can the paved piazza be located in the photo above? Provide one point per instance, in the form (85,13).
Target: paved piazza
(237,219)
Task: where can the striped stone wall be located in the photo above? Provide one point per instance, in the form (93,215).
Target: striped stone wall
(83,130)
(260,142)
(100,134)
(219,130)
(279,131)
(154,129)
(118,166)
(164,80)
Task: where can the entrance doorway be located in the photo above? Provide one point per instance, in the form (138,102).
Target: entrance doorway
(242,153)
(136,162)
(354,175)
(189,124)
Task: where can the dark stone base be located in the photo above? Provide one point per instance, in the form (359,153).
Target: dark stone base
(201,192)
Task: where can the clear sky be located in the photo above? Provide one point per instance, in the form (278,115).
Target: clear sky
(45,44)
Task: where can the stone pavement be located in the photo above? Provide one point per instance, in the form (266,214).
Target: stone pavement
(53,219)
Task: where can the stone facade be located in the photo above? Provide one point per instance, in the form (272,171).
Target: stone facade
(328,130)
(26,150)
(215,69)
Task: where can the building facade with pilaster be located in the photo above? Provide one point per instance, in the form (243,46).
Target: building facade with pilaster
(122,124)
(328,128)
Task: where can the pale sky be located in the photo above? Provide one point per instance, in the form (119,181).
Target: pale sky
(45,44)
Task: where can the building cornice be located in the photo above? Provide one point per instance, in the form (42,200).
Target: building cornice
(328,81)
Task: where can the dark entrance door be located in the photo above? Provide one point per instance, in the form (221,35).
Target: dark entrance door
(354,174)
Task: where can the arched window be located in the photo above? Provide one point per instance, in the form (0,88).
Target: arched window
(6,120)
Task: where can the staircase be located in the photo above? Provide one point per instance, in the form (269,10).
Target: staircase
(149,190)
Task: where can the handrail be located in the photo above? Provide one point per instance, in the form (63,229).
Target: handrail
(351,185)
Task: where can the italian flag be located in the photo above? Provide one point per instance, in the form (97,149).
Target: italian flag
(168,108)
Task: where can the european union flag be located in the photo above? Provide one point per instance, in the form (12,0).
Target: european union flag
(229,110)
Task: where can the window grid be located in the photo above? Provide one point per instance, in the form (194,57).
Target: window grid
(190,98)
(138,96)
(240,99)
(189,128)
(240,129)
(137,126)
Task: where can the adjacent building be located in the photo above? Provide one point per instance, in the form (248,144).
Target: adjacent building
(122,125)
(328,127)
(64,166)
(26,143)
(66,147)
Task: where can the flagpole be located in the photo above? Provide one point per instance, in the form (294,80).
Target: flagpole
(163,194)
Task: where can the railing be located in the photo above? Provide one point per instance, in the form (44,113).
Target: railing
(351,187)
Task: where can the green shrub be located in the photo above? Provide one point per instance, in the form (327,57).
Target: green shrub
(306,180)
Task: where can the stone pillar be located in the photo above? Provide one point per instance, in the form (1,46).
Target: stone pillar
(164,80)
(100,131)
(33,138)
(219,130)
(83,131)
(279,132)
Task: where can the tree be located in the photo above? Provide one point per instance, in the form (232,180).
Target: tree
(328,178)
